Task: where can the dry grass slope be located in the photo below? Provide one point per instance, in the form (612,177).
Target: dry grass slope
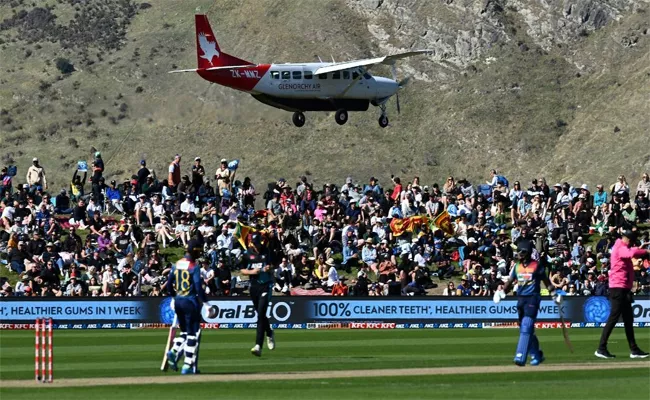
(518,107)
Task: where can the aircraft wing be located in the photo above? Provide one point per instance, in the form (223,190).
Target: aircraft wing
(212,68)
(388,60)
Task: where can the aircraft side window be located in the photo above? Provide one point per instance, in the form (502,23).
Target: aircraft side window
(367,75)
(355,75)
(336,75)
(286,75)
(275,75)
(308,75)
(297,74)
(322,76)
(346,74)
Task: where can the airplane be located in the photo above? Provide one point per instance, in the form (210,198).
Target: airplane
(299,87)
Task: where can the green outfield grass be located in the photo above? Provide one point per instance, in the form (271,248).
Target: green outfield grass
(131,353)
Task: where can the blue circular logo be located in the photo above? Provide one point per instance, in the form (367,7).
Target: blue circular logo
(166,312)
(596,309)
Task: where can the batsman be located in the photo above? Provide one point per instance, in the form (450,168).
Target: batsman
(184,284)
(528,271)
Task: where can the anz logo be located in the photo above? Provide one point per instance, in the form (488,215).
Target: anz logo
(253,73)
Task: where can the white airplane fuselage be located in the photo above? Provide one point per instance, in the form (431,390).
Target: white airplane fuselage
(294,87)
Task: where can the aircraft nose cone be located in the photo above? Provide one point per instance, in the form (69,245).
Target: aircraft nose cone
(386,87)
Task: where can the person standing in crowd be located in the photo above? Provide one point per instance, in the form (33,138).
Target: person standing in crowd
(143,173)
(174,176)
(621,278)
(223,176)
(258,268)
(198,172)
(98,172)
(36,176)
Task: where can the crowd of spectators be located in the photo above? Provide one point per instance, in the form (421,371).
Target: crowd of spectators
(118,238)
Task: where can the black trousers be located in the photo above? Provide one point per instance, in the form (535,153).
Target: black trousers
(261,295)
(620,301)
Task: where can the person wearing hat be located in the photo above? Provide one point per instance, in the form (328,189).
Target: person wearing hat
(529,272)
(114,196)
(223,175)
(621,279)
(62,201)
(198,172)
(206,229)
(464,289)
(629,215)
(36,176)
(374,188)
(369,255)
(143,173)
(98,170)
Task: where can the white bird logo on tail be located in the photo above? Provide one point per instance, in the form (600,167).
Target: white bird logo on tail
(209,48)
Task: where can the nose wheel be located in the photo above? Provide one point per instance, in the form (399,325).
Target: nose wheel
(341,116)
(383,118)
(298,119)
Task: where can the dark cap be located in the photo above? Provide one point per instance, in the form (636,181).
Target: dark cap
(630,234)
(525,246)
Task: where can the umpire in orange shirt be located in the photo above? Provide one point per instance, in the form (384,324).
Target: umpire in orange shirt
(621,277)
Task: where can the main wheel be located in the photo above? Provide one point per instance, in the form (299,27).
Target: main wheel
(341,116)
(298,119)
(383,121)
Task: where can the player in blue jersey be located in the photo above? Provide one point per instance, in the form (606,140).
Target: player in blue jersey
(529,272)
(184,283)
(258,268)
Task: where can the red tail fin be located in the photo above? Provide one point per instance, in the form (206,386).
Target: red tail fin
(207,48)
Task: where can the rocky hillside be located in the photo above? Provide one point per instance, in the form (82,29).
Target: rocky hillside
(555,88)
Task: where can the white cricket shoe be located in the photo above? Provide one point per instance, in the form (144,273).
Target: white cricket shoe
(270,341)
(256,351)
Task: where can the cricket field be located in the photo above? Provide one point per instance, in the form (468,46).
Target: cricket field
(326,364)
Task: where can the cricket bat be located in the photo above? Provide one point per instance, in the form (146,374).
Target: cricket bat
(196,356)
(170,339)
(564,331)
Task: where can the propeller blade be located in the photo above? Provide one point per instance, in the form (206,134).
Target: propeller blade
(397,100)
(394,72)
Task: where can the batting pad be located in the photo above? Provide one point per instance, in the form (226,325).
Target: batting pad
(525,334)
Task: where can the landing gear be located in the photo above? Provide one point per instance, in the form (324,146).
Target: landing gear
(341,116)
(383,119)
(298,119)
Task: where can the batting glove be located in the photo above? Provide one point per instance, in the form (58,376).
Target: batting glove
(498,296)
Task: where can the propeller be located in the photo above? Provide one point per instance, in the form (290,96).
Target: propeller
(400,85)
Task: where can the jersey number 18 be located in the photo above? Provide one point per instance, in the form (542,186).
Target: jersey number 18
(182,282)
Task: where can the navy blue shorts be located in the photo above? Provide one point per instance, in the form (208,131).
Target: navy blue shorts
(528,306)
(189,315)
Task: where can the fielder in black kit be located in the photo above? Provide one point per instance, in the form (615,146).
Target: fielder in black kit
(257,266)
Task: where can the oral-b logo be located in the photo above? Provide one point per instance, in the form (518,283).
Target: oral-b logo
(245,312)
